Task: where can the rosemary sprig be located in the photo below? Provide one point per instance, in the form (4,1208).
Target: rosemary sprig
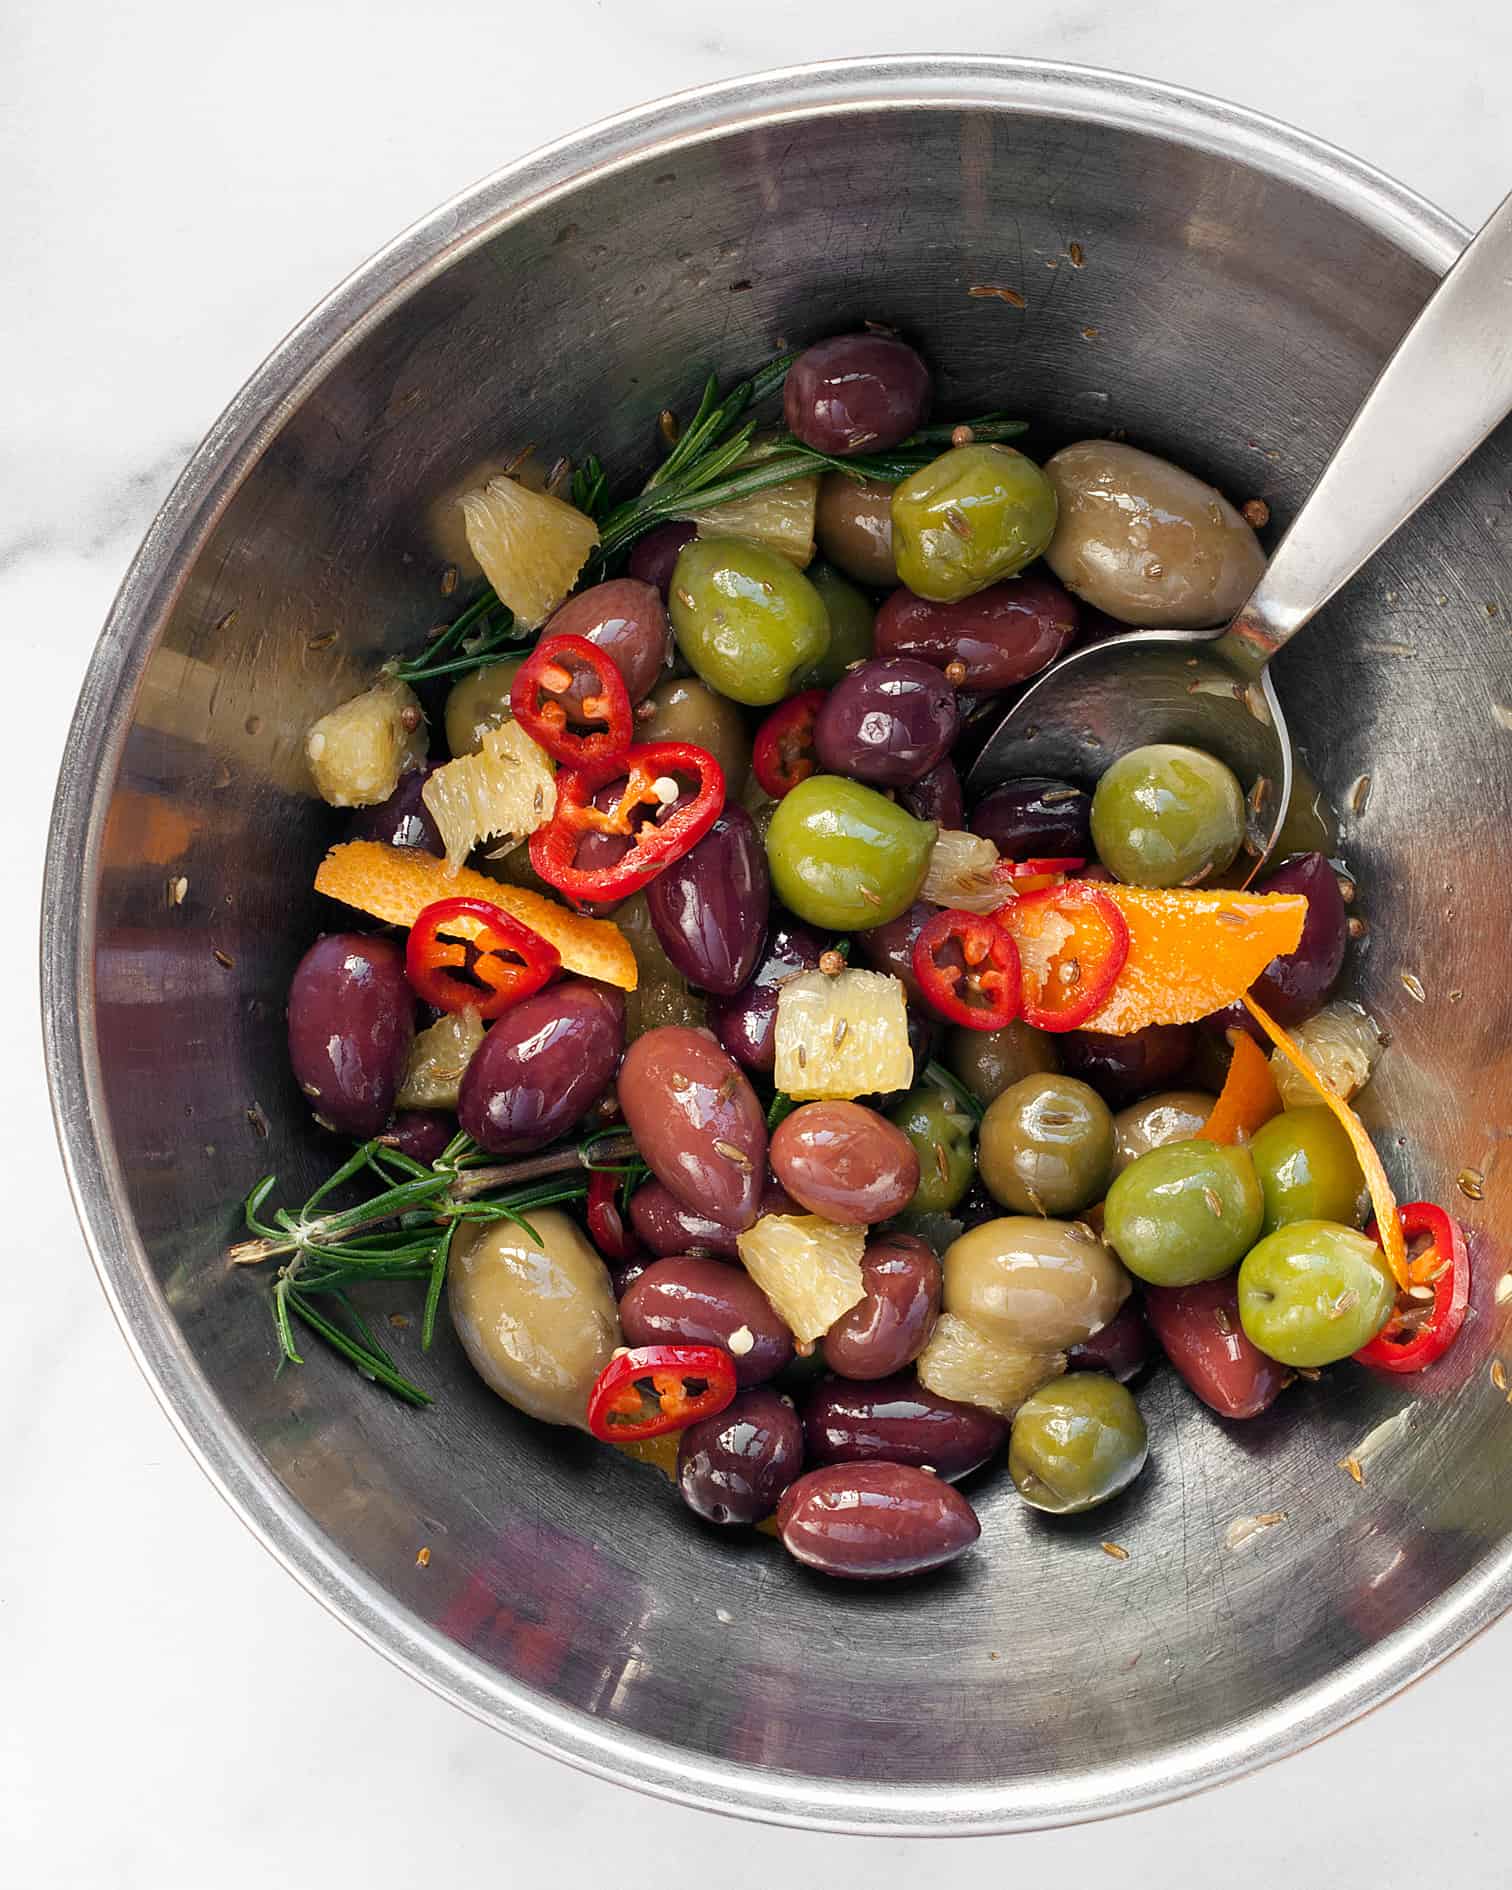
(942,1079)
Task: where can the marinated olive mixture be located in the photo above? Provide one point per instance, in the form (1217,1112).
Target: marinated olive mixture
(752,1100)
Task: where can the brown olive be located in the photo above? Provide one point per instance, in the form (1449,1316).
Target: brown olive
(1046,1146)
(845,1162)
(1171,1115)
(478,703)
(874,1521)
(1033,1283)
(686,710)
(990,1061)
(696,1121)
(854,527)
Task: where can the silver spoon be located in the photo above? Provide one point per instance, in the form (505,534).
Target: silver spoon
(1446,386)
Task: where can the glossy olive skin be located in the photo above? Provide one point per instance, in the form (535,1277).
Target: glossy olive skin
(1075,1443)
(855,394)
(941,1132)
(844,1163)
(1185,1212)
(627,620)
(1308,1169)
(937,796)
(888,722)
(896,1420)
(1165,815)
(542,1066)
(684,710)
(891,1326)
(851,616)
(653,558)
(422,1134)
(1043,1285)
(689,1301)
(1122,1348)
(1121,1068)
(403,820)
(478,703)
(972,517)
(746,621)
(351,1023)
(1004,634)
(844,857)
(1293,987)
(1200,1332)
(696,1121)
(1046,1146)
(1171,1115)
(1037,818)
(732,1468)
(746,1024)
(874,1521)
(853,523)
(668,1227)
(990,1061)
(1314,1292)
(889,947)
(710,907)
(1145,541)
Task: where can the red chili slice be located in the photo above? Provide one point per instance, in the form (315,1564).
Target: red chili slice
(501,960)
(782,754)
(659,1388)
(540,700)
(1420,1331)
(1072,943)
(606,1224)
(967,967)
(1034,875)
(655,775)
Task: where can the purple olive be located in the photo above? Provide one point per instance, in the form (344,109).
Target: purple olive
(895,1420)
(874,1521)
(710,907)
(542,1066)
(625,618)
(1199,1332)
(891,1326)
(654,557)
(1003,635)
(733,1468)
(689,1301)
(845,1163)
(1293,987)
(746,1024)
(1036,819)
(890,947)
(855,394)
(422,1134)
(975,1207)
(1123,1068)
(1121,1349)
(668,1227)
(696,1121)
(625,1273)
(936,796)
(888,722)
(403,820)
(351,1023)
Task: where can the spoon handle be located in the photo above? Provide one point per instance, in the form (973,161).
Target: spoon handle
(1448,383)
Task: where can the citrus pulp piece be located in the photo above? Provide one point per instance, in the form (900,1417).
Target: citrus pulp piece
(531,546)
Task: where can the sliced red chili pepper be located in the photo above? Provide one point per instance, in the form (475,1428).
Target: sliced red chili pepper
(659,1388)
(654,775)
(1422,1330)
(967,967)
(606,1224)
(1034,875)
(782,754)
(1072,943)
(499,959)
(550,693)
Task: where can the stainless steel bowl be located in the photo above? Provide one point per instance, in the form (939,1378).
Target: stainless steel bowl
(1235,287)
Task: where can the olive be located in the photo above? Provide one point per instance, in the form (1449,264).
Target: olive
(542,1066)
(1308,1169)
(477,704)
(710,907)
(855,394)
(1171,1115)
(941,1133)
(422,1134)
(1036,818)
(844,857)
(851,614)
(890,1327)
(732,1468)
(896,1420)
(1185,1212)
(534,1309)
(746,621)
(689,1301)
(1002,635)
(1313,1292)
(1200,1333)
(1145,541)
(936,796)
(1165,815)
(1121,1068)
(990,1061)
(1294,986)
(403,820)
(970,518)
(853,523)
(874,1521)
(844,1163)
(627,620)
(351,1023)
(1120,1348)
(653,558)
(1047,1146)
(696,1121)
(1076,1442)
(684,710)
(888,722)
(1031,1284)
(889,947)
(668,1227)
(746,1024)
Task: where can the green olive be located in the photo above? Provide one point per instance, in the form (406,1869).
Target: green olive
(1171,1115)
(1313,1292)
(844,857)
(747,622)
(970,518)
(1167,816)
(1035,1284)
(1047,1146)
(477,703)
(851,618)
(685,710)
(1184,1213)
(1076,1442)
(1308,1169)
(988,1061)
(940,1130)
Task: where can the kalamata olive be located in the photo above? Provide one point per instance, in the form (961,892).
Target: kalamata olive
(888,722)
(696,1121)
(1003,635)
(896,1420)
(733,1468)
(853,523)
(667,1227)
(874,1521)
(1037,1284)
(1199,1332)
(1293,987)
(422,1133)
(937,796)
(891,1326)
(542,1066)
(351,1023)
(710,907)
(653,558)
(1121,1348)
(1036,819)
(403,820)
(1121,1068)
(890,947)
(746,1024)
(627,620)
(689,1301)
(845,1163)
(855,394)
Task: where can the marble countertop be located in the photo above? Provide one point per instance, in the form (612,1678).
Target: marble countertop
(181,183)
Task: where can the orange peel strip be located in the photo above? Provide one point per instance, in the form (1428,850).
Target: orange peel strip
(1382,1200)
(1249,1097)
(396,884)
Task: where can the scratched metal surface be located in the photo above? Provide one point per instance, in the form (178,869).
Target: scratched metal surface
(1239,287)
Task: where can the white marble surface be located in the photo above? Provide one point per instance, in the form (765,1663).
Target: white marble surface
(180,181)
